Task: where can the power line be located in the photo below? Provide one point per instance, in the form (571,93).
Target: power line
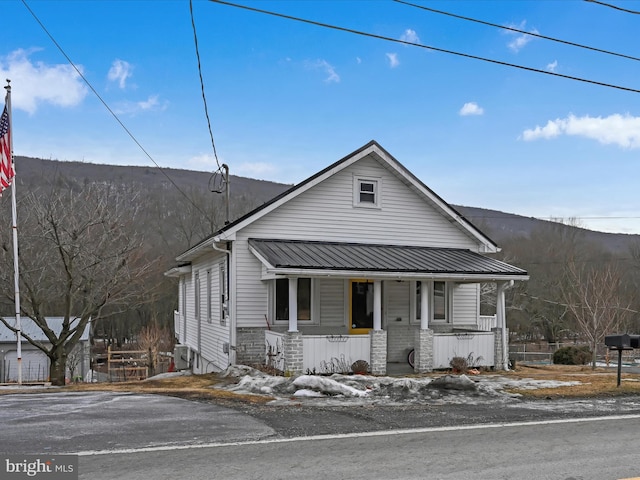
(204,98)
(512,29)
(104,103)
(615,7)
(428,47)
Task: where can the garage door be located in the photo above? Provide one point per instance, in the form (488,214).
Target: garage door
(35,366)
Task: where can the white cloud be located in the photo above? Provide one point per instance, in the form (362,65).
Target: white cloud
(519,39)
(393,59)
(358,60)
(59,85)
(119,72)
(471,108)
(410,36)
(552,66)
(323,65)
(151,104)
(621,130)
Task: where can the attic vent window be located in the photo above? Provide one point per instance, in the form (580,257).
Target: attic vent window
(366,192)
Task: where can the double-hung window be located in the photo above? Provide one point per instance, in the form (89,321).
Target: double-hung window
(282,299)
(367,192)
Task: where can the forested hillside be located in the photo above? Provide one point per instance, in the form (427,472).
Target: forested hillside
(159,214)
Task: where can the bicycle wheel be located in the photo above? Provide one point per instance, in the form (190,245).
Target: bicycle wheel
(411,358)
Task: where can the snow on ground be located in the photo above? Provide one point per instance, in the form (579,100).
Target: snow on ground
(349,389)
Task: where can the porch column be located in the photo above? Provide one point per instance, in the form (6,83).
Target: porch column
(425,287)
(293,304)
(377,305)
(502,357)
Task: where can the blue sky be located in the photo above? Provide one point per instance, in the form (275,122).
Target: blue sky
(288,98)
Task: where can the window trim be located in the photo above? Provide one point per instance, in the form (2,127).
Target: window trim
(358,181)
(196,295)
(222,293)
(415,303)
(313,316)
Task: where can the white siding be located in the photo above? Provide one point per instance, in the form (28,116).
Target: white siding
(466,303)
(478,347)
(396,302)
(326,212)
(212,335)
(332,301)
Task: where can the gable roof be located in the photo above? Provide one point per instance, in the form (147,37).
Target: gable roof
(349,259)
(372,148)
(29,327)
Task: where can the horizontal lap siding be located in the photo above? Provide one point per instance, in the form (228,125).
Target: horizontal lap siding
(332,302)
(466,307)
(212,334)
(325,212)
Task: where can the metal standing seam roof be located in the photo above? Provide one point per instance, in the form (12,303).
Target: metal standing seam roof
(315,255)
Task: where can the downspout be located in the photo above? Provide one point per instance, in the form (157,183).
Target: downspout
(232,330)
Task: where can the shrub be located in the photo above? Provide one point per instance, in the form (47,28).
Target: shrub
(459,364)
(572,355)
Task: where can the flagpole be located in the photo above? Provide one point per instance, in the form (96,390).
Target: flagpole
(14,215)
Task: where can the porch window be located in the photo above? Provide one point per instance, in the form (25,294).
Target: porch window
(282,299)
(439,301)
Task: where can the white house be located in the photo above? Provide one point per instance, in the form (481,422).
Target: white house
(361,261)
(35,363)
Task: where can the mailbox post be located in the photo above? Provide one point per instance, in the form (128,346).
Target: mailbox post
(621,342)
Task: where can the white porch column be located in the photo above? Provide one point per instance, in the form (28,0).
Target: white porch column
(501,321)
(293,304)
(377,305)
(425,287)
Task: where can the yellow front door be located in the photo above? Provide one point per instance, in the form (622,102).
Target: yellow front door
(360,306)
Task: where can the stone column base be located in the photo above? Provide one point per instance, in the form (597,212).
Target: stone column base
(424,351)
(378,363)
(293,354)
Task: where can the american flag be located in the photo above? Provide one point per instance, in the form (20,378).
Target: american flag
(6,164)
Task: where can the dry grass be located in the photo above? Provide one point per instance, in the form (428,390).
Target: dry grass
(600,382)
(192,387)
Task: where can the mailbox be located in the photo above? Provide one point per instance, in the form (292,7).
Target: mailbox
(619,342)
(635,341)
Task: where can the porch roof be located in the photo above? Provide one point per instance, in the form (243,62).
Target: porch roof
(302,257)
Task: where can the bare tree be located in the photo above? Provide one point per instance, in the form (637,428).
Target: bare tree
(79,253)
(594,294)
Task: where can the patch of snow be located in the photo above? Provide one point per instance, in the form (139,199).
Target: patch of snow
(328,386)
(160,376)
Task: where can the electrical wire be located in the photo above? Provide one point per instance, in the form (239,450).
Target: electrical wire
(204,98)
(615,7)
(512,29)
(428,47)
(104,103)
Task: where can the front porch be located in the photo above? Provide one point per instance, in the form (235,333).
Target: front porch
(295,353)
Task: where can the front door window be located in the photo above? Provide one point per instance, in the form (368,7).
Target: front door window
(361,300)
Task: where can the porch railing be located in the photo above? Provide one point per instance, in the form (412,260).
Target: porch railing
(321,353)
(334,353)
(487,322)
(477,347)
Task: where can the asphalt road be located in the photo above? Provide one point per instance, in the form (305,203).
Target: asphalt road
(596,450)
(133,436)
